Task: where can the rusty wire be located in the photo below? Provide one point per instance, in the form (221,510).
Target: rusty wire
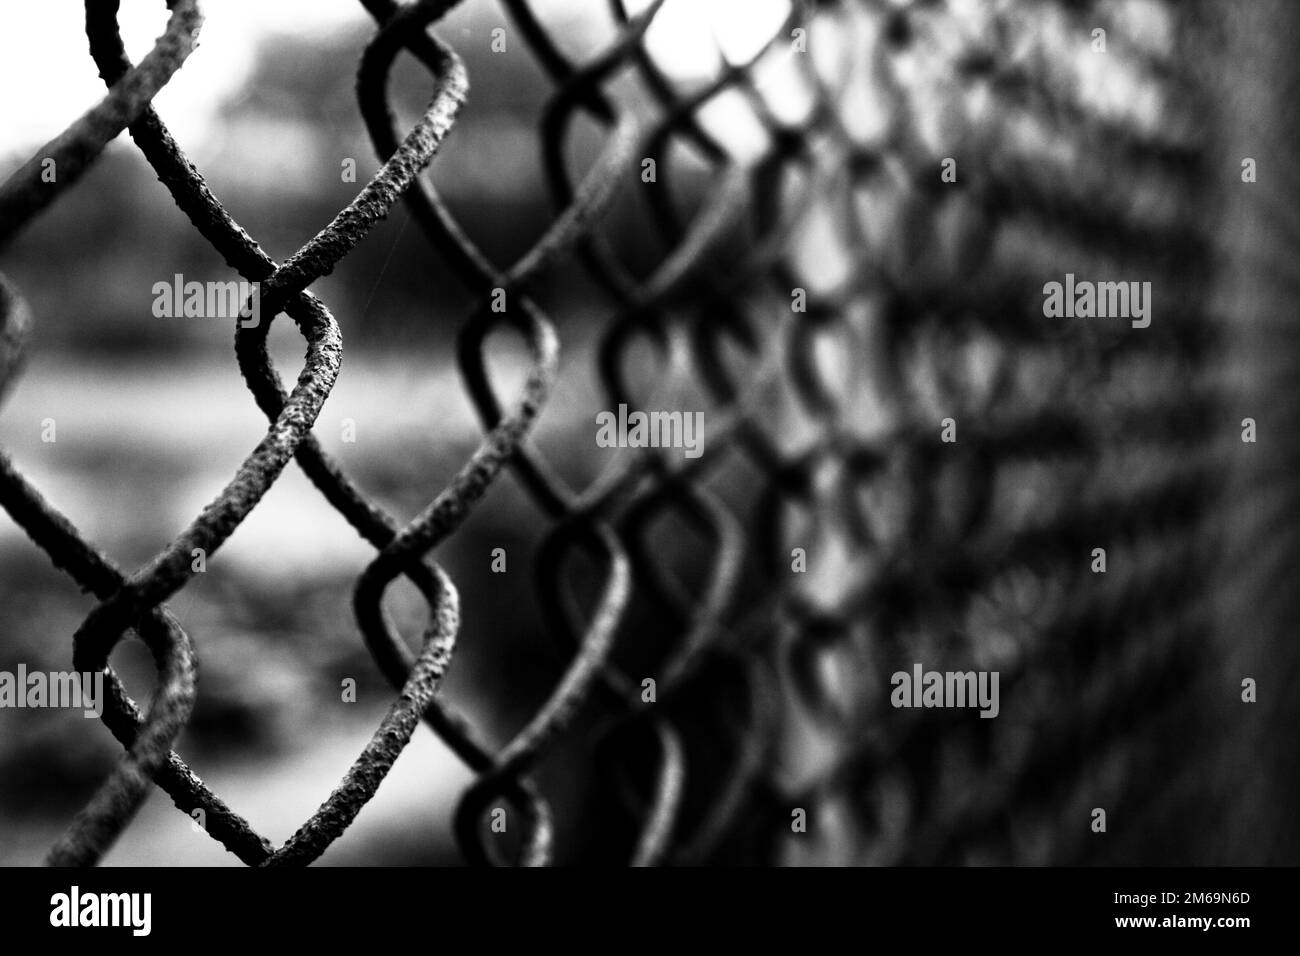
(933,534)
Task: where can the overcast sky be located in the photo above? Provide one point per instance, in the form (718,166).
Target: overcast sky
(43,46)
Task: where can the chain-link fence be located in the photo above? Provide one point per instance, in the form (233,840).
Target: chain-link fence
(905,460)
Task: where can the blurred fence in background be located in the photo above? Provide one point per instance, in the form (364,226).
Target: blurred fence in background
(674,659)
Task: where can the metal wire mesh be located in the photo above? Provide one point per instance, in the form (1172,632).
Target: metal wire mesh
(831,303)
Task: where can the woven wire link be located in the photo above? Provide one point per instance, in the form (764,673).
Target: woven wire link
(921,301)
